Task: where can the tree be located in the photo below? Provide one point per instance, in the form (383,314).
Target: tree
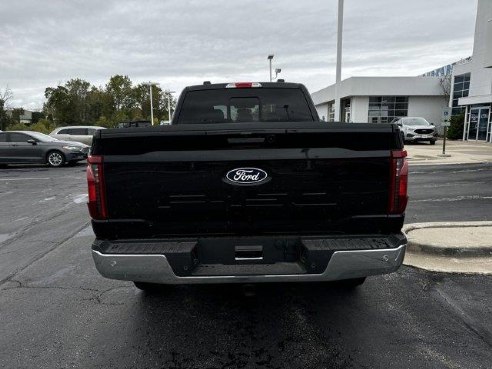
(16,114)
(78,91)
(142,97)
(37,116)
(68,104)
(99,104)
(120,89)
(58,105)
(79,102)
(5,96)
(445,83)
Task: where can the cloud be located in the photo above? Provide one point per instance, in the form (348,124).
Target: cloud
(186,42)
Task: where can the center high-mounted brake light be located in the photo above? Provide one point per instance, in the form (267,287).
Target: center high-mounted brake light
(398,197)
(97,194)
(244,85)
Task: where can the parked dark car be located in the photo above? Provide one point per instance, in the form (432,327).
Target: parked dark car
(28,147)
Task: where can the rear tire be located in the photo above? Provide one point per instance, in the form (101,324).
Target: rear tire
(55,159)
(432,142)
(351,283)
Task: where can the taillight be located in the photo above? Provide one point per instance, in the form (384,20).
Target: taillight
(95,181)
(398,197)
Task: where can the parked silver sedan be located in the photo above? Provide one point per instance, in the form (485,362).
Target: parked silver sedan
(28,147)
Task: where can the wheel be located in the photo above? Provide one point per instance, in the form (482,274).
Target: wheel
(150,287)
(351,283)
(55,158)
(432,142)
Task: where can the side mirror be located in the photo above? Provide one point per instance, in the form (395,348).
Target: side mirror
(432,124)
(32,141)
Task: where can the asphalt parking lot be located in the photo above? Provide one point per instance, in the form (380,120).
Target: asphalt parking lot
(57,312)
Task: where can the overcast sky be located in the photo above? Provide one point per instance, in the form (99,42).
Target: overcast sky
(180,42)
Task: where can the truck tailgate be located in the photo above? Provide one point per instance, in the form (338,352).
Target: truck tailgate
(173,182)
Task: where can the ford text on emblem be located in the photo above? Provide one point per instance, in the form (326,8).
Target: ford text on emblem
(246,176)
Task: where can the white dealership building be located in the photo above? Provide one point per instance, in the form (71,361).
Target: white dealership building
(380,99)
(472,81)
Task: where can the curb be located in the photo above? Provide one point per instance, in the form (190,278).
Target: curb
(480,251)
(415,162)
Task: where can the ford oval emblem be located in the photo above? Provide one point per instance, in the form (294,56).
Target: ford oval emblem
(246,176)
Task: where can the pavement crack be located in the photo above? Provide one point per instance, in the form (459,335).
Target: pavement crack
(27,286)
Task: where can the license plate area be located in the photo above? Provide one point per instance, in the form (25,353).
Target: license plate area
(249,256)
(248,250)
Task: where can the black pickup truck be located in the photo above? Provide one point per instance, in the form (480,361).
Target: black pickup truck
(247,185)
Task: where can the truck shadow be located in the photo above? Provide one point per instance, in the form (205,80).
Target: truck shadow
(277,326)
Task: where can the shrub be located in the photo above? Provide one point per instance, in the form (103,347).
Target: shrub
(44,126)
(455,130)
(18,127)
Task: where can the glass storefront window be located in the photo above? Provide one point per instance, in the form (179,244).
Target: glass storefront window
(479,123)
(461,88)
(383,109)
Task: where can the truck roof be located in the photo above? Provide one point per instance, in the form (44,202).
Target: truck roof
(215,86)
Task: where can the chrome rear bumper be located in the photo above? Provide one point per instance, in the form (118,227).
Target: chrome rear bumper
(154,268)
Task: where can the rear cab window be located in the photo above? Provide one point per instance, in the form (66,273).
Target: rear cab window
(245,105)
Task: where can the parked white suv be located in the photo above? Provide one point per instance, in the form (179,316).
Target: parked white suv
(75,133)
(416,129)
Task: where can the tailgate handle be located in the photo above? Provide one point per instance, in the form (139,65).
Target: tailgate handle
(243,253)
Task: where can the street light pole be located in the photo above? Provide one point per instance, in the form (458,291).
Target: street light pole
(169,105)
(150,84)
(339,61)
(270,57)
(151,106)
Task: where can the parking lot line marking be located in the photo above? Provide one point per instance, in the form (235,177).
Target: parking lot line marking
(20,179)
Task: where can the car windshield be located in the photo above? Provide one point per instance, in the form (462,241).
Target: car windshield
(42,137)
(414,122)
